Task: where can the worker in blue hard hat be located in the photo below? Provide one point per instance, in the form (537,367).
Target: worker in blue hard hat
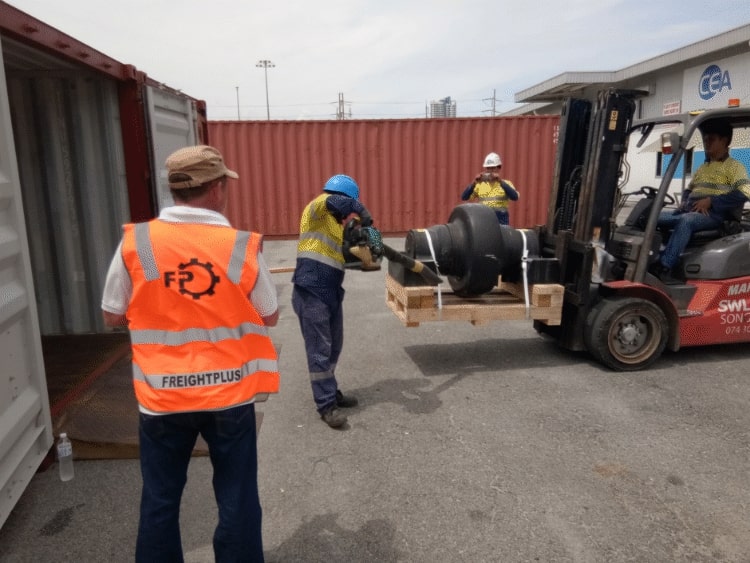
(318,292)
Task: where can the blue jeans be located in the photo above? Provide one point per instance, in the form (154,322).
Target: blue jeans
(166,444)
(683,226)
(503,217)
(321,320)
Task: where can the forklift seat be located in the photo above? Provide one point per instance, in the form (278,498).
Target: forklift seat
(731,226)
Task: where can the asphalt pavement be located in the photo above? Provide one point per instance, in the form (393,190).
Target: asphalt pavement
(471,443)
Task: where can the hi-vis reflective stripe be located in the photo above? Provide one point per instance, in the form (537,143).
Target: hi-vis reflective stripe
(204,378)
(320,258)
(148,262)
(234,271)
(492,198)
(321,237)
(145,252)
(332,245)
(178,338)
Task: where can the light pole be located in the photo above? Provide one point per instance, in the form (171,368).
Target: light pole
(266,64)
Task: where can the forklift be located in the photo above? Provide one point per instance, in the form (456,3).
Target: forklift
(600,250)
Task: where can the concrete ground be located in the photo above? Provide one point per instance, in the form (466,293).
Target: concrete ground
(470,444)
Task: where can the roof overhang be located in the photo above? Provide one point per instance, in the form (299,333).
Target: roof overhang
(565,85)
(569,84)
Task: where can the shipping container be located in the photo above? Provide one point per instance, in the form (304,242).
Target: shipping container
(411,172)
(83,139)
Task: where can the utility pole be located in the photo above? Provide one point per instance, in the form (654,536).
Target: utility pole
(266,64)
(341,109)
(494,99)
(238,102)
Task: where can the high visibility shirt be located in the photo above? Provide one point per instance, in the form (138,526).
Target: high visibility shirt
(492,194)
(726,182)
(321,236)
(197,341)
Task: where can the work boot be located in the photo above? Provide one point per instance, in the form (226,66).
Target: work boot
(345,401)
(666,276)
(333,417)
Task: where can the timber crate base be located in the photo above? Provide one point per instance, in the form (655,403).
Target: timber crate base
(415,305)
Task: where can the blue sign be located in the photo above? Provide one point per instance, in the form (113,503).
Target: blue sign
(712,81)
(699,157)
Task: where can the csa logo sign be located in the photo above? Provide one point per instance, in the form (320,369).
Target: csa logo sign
(713,81)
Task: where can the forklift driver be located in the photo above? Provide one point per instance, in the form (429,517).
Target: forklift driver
(717,192)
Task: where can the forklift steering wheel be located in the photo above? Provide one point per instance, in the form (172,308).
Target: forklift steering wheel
(650,192)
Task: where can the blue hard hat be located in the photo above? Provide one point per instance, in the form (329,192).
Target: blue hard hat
(343,184)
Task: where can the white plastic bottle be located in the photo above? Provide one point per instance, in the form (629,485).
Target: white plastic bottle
(65,457)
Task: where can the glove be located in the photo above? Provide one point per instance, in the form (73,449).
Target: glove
(353,235)
(365,218)
(374,241)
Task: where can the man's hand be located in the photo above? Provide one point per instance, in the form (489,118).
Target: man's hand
(702,205)
(114,320)
(487,177)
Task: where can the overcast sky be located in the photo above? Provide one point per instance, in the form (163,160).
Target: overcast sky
(389,58)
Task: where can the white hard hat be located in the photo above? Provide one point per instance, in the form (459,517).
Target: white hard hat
(492,160)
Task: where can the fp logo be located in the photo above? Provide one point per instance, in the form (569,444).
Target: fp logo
(194,278)
(713,81)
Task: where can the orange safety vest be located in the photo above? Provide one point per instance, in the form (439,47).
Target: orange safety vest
(198,343)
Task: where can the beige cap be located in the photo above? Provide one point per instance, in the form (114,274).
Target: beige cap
(191,167)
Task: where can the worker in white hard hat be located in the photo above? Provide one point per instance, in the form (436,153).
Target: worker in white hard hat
(491,190)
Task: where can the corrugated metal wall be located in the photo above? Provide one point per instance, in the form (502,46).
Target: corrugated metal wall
(411,172)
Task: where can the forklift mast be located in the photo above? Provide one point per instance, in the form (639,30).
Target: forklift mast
(592,144)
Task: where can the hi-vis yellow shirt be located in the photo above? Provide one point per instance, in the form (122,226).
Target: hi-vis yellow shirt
(492,194)
(321,236)
(719,178)
(198,343)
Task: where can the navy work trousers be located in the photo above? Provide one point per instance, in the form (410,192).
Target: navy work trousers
(166,444)
(321,320)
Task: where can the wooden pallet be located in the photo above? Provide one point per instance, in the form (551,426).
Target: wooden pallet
(415,305)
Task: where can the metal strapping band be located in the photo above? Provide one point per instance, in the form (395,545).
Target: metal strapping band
(437,271)
(524,269)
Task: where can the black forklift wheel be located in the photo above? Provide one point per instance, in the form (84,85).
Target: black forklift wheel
(626,333)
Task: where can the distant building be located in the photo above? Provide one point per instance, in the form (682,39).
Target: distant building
(443,108)
(702,75)
(711,73)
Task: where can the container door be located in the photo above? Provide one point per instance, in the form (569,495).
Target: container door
(173,125)
(25,422)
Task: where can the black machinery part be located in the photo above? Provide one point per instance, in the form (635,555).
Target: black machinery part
(473,250)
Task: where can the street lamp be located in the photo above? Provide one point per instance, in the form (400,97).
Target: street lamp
(266,64)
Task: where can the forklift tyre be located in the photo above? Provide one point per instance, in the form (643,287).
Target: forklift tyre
(626,333)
